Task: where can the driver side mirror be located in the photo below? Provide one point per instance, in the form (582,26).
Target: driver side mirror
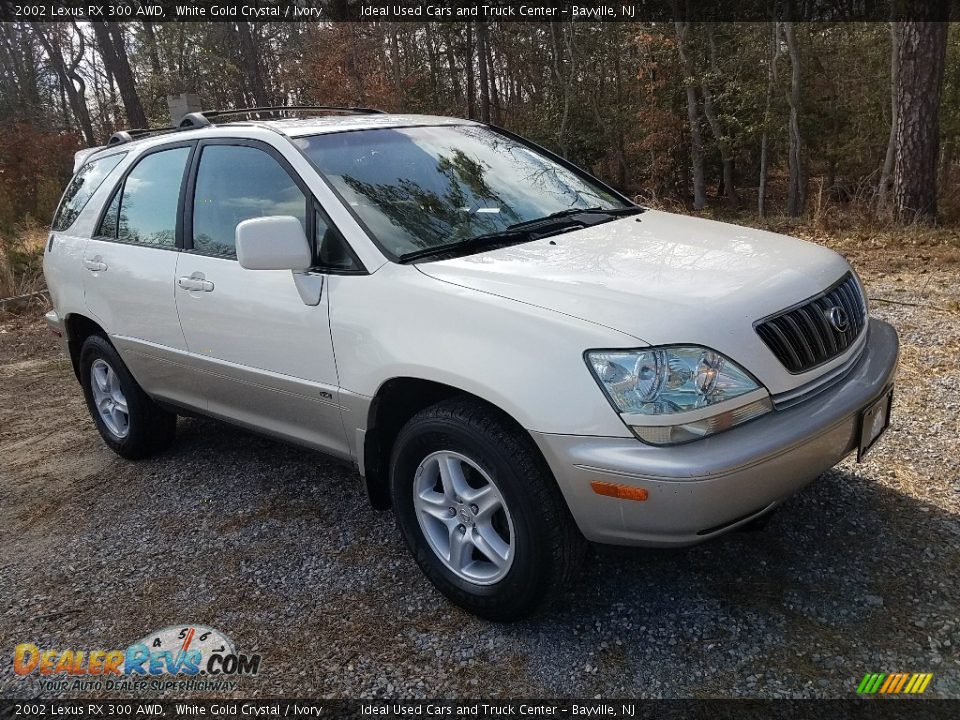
(276,242)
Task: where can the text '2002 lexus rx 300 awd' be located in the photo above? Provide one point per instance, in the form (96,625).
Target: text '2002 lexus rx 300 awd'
(516,358)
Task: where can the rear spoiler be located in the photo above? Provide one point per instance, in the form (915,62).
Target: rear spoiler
(80,157)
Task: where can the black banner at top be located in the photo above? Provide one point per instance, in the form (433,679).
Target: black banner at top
(463,11)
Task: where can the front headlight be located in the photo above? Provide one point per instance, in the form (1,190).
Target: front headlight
(673,394)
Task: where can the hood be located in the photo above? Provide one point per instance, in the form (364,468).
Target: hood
(660,277)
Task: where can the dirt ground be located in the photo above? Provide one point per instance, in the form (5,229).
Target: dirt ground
(275,547)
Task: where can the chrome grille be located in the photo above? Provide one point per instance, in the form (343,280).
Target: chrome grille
(818,329)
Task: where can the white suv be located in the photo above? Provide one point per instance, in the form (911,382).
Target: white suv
(515,356)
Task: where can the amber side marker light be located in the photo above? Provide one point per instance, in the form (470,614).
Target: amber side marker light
(624,492)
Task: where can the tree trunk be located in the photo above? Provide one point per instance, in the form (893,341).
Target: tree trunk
(922,52)
(621,143)
(568,85)
(471,87)
(726,155)
(693,117)
(887,172)
(395,65)
(946,164)
(561,86)
(150,37)
(114,52)
(797,185)
(433,56)
(492,82)
(250,62)
(765,137)
(723,140)
(484,75)
(454,75)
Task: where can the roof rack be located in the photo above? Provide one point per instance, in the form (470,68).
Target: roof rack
(203,119)
(125,136)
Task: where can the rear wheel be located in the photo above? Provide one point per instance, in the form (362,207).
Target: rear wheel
(480,511)
(128,420)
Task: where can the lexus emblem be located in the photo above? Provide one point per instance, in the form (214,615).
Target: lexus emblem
(839,320)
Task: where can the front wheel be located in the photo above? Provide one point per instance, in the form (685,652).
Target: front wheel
(480,512)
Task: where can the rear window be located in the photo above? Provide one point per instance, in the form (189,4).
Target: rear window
(81,189)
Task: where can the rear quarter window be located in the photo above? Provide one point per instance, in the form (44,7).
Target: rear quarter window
(84,184)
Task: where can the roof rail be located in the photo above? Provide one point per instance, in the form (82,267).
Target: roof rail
(202,119)
(124,136)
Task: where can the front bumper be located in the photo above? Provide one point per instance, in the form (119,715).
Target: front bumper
(702,489)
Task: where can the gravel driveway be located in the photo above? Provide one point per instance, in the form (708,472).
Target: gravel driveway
(276,547)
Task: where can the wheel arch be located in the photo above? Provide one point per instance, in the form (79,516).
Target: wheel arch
(78,328)
(395,402)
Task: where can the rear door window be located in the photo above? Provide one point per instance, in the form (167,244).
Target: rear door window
(144,209)
(84,184)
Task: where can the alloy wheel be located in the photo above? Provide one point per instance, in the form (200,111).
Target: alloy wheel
(464,517)
(109,399)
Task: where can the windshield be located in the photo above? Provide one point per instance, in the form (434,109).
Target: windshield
(424,187)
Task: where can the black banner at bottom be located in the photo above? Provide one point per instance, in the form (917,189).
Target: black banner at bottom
(916,709)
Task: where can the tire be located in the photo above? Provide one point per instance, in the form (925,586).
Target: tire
(148,428)
(538,546)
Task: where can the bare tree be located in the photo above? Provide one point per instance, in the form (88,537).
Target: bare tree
(886,174)
(70,79)
(922,52)
(797,184)
(772,80)
(453,74)
(563,47)
(250,62)
(484,70)
(693,117)
(719,134)
(150,40)
(468,62)
(492,75)
(396,71)
(114,53)
(19,88)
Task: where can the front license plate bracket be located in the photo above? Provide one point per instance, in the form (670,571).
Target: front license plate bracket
(874,421)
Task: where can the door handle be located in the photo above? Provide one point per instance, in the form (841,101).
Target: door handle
(95,264)
(195,282)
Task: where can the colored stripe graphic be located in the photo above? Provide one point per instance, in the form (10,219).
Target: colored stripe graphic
(903,679)
(894,683)
(891,680)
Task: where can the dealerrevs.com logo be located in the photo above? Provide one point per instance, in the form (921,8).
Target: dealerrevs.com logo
(173,657)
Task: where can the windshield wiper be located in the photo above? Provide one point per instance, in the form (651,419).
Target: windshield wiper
(524,231)
(494,239)
(580,216)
